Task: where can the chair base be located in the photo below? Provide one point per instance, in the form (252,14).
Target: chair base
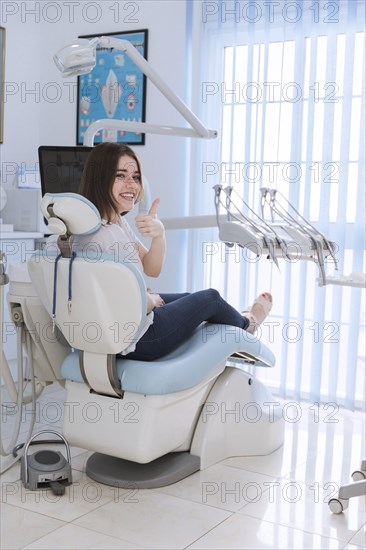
(121,473)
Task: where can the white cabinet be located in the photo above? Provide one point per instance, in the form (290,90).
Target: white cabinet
(18,246)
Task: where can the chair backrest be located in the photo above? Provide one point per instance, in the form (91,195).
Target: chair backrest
(97,302)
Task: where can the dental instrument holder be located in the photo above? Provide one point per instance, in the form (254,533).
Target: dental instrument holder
(275,238)
(46,468)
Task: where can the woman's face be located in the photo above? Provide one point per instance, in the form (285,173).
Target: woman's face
(127,183)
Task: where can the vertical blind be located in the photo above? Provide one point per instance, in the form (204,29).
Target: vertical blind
(284,83)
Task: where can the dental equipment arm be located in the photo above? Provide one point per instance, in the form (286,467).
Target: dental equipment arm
(276,239)
(80,59)
(319,241)
(262,229)
(16,395)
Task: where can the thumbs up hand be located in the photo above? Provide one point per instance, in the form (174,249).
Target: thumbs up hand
(149,225)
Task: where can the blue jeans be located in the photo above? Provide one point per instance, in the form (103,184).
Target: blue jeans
(176,321)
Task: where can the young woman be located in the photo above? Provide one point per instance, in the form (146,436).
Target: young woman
(112,180)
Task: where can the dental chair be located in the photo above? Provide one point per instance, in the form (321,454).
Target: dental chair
(148,424)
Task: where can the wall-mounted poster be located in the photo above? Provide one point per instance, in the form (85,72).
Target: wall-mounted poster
(115,89)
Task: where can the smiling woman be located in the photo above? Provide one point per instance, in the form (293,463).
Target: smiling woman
(112,169)
(127,183)
(112,180)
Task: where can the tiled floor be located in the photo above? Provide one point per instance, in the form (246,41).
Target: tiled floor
(276,501)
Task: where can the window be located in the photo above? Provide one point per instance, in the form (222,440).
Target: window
(289,99)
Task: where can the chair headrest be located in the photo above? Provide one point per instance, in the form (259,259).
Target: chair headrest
(70,213)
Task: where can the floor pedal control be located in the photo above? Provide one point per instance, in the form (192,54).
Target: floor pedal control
(46,468)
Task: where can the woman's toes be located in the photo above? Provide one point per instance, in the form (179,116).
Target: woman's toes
(258,312)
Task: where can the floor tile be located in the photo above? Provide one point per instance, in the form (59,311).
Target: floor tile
(81,497)
(154,520)
(296,504)
(48,410)
(343,450)
(220,486)
(240,532)
(360,537)
(79,461)
(33,526)
(11,468)
(74,537)
(306,433)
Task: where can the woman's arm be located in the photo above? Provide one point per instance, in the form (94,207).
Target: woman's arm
(150,226)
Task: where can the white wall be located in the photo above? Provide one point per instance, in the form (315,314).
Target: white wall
(32,118)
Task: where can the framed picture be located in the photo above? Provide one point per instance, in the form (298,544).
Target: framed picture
(115,89)
(2,71)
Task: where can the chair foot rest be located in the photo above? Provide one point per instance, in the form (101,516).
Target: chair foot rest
(121,473)
(245,357)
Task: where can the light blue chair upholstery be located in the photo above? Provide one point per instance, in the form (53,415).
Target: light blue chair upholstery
(184,368)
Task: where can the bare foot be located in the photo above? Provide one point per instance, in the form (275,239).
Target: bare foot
(258,311)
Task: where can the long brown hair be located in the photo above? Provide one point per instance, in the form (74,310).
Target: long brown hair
(100,173)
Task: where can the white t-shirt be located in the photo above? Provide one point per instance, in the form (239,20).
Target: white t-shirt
(118,240)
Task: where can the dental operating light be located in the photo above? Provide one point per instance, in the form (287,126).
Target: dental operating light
(80,58)
(76,59)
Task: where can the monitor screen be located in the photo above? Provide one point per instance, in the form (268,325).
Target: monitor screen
(61,167)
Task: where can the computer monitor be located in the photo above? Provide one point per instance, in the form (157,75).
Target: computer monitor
(61,167)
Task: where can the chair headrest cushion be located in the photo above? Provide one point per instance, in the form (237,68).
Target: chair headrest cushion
(70,213)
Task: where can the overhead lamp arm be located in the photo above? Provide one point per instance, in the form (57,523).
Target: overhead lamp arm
(197,128)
